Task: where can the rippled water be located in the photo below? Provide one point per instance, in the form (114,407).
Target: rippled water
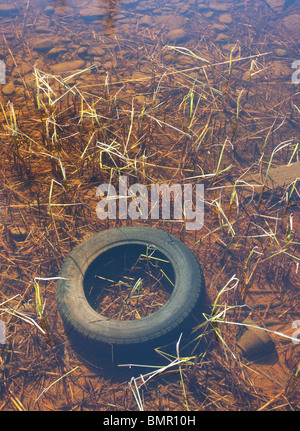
(126,42)
(125,35)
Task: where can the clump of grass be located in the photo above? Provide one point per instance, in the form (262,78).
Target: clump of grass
(134,291)
(135,384)
(278,148)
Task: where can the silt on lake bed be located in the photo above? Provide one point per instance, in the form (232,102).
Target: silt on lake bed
(162,92)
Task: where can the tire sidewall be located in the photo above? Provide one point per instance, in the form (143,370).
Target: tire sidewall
(77,313)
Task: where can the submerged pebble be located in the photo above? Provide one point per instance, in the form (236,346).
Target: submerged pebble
(280,52)
(82,51)
(144,6)
(276,4)
(49,10)
(146,20)
(280,70)
(218,7)
(67,66)
(24,69)
(42,45)
(96,51)
(230,47)
(171,22)
(130,2)
(140,77)
(176,35)
(225,18)
(63,10)
(140,99)
(291,22)
(7,9)
(202,6)
(42,29)
(220,27)
(92,13)
(222,37)
(8,89)
(54,52)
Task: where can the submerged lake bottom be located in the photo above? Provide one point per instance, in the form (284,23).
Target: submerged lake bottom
(162,93)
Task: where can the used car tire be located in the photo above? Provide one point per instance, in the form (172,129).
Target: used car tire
(167,323)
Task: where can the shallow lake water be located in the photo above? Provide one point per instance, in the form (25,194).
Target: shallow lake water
(163,92)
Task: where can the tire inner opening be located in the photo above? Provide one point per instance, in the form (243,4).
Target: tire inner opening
(129,282)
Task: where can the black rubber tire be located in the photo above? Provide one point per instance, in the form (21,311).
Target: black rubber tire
(79,316)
